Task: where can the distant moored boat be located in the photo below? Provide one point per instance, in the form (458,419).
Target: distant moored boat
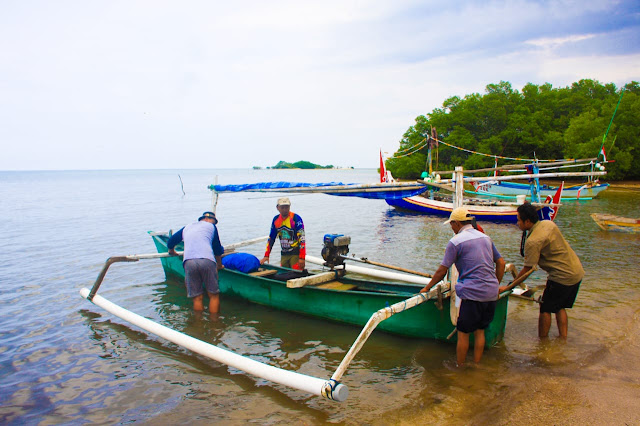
(609,222)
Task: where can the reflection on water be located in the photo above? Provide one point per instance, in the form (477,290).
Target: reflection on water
(64,360)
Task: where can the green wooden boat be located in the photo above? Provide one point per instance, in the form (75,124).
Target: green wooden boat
(346,300)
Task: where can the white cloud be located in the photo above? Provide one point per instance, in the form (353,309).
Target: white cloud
(208,84)
(557,41)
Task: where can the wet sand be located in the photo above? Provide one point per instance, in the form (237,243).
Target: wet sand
(601,388)
(606,391)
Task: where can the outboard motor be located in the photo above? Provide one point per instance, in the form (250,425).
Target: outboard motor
(335,246)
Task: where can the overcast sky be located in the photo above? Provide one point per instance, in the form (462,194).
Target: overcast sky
(226,84)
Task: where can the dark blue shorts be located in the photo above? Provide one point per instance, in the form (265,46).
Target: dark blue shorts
(475,315)
(200,275)
(557,296)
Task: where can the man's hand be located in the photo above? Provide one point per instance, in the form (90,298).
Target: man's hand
(437,277)
(172,252)
(301,264)
(264,260)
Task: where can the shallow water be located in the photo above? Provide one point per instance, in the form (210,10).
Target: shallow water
(64,360)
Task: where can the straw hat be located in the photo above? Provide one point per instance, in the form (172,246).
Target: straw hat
(460,214)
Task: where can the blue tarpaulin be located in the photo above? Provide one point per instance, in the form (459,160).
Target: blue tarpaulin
(385,191)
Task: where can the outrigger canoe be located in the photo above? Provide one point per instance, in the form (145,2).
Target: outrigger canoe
(346,300)
(488,210)
(513,189)
(609,222)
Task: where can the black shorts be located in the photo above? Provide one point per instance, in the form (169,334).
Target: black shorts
(475,315)
(557,296)
(200,275)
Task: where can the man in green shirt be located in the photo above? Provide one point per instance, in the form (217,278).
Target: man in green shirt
(545,246)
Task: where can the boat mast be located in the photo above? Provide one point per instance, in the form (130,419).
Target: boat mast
(535,183)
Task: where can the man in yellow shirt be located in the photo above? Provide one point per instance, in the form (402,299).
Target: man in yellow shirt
(545,246)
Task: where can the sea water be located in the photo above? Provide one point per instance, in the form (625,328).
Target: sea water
(64,360)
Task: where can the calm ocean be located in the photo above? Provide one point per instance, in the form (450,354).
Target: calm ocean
(64,360)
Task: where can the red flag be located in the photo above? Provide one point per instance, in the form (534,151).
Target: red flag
(604,156)
(555,200)
(383,172)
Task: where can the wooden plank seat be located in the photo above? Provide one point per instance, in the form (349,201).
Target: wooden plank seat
(263,272)
(337,285)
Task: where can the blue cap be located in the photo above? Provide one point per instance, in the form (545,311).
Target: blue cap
(208,215)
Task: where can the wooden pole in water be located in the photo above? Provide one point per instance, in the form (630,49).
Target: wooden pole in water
(214,197)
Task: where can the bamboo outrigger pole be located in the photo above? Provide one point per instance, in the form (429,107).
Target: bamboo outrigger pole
(136,257)
(583,161)
(527,176)
(376,319)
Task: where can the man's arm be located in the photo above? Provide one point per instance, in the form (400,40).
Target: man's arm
(173,241)
(217,248)
(437,277)
(450,255)
(301,242)
(524,270)
(273,233)
(500,265)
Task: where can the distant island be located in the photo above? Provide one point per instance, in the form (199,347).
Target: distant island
(299,165)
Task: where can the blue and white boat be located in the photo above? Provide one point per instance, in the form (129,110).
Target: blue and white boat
(507,189)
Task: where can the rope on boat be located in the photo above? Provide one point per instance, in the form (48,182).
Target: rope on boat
(415,148)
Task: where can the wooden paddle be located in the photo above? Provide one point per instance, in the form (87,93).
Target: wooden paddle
(520,280)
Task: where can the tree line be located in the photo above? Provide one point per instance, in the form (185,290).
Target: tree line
(538,122)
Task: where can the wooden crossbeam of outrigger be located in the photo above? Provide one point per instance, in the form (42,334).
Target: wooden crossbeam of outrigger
(586,161)
(526,176)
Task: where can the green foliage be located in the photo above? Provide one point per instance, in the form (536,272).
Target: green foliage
(407,167)
(300,165)
(305,165)
(283,165)
(538,122)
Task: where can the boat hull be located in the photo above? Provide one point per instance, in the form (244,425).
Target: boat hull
(609,222)
(424,205)
(514,189)
(347,306)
